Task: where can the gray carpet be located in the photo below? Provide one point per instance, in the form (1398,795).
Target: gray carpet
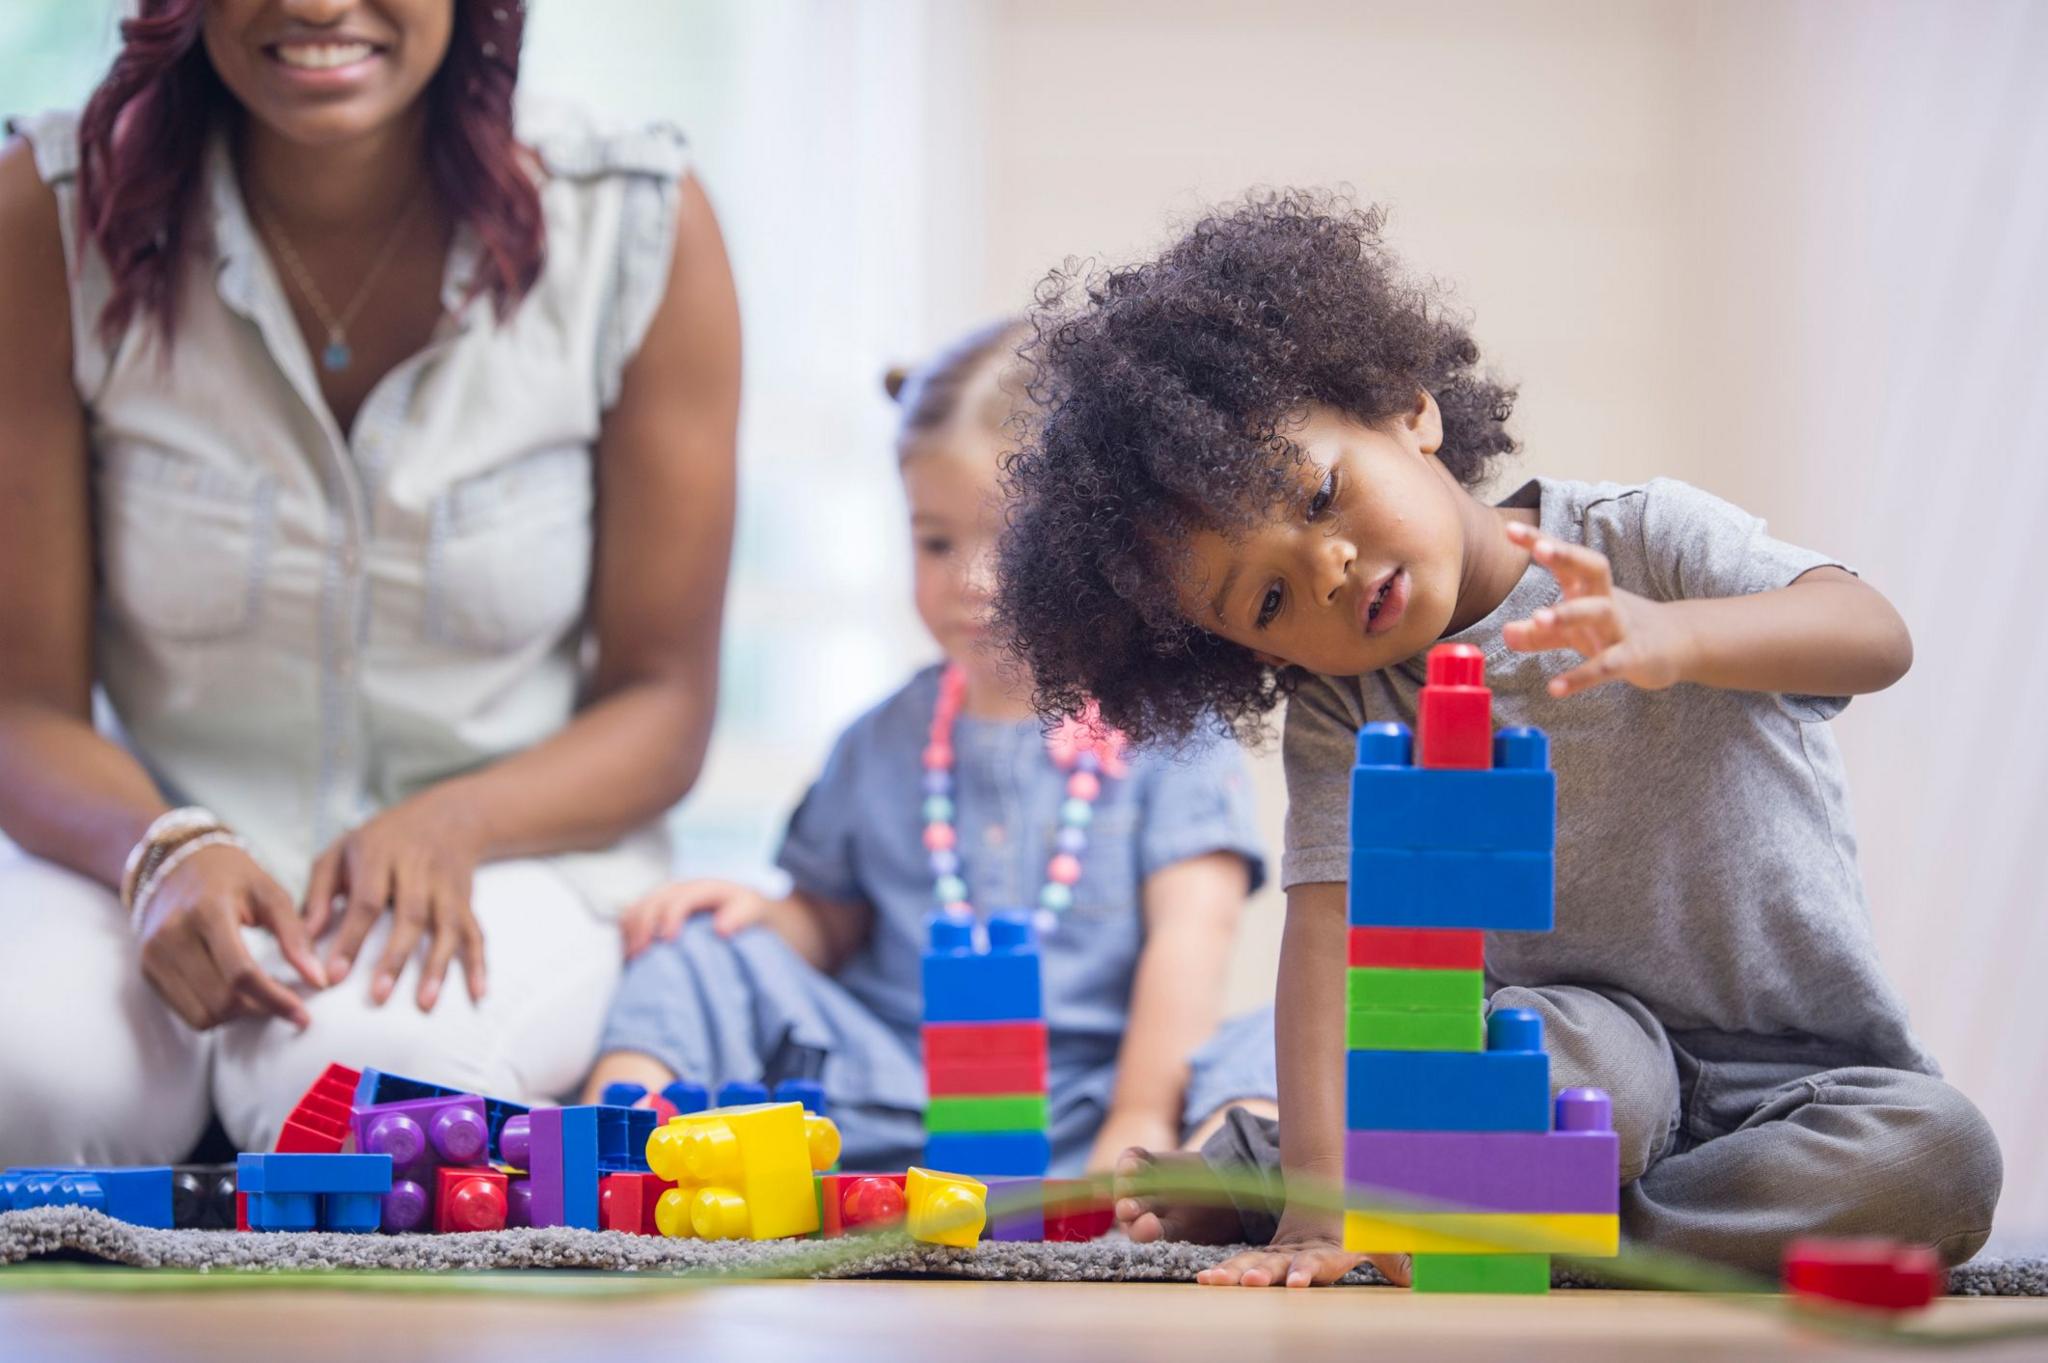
(72,1231)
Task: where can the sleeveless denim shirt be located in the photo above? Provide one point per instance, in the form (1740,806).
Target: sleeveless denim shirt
(297,627)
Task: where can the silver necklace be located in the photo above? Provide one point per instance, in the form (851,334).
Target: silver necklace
(335,356)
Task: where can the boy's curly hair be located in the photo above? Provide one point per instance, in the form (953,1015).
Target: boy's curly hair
(1164,392)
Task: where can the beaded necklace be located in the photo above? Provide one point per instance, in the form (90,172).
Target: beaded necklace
(1083,747)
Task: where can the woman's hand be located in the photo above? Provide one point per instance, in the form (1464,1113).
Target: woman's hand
(417,859)
(193,954)
(661,915)
(1622,636)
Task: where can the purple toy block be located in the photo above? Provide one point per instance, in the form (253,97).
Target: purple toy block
(519,1203)
(405,1207)
(544,1164)
(515,1142)
(1016,1209)
(424,1133)
(1488,1171)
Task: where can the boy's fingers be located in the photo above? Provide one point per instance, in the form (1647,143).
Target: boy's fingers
(1603,667)
(1577,568)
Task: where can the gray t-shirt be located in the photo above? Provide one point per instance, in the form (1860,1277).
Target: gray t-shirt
(1705,862)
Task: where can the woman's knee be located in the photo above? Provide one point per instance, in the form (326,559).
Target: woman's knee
(95,1069)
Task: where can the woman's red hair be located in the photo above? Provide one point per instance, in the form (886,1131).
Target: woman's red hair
(144,130)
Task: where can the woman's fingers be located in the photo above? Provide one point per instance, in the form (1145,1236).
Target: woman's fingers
(471,950)
(249,987)
(411,904)
(368,885)
(442,941)
(271,908)
(320,889)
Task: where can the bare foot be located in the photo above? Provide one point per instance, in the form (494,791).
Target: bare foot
(1299,1263)
(1171,1197)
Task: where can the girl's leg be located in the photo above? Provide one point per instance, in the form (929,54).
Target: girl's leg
(95,1068)
(553,964)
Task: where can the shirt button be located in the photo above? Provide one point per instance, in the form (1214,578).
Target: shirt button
(350,558)
(344,665)
(995,835)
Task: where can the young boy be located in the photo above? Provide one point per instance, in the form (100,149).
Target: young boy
(1253,480)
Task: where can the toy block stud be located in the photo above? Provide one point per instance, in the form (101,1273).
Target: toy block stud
(851,1203)
(741,1093)
(821,1137)
(470,1200)
(519,1203)
(1515,1029)
(945,1209)
(1584,1109)
(622,1093)
(686,1097)
(1454,710)
(809,1092)
(515,1140)
(1521,749)
(404,1208)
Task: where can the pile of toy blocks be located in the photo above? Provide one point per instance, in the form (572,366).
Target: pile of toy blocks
(985,1063)
(1451,1154)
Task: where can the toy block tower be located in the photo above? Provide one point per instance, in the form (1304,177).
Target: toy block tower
(985,1049)
(1455,1151)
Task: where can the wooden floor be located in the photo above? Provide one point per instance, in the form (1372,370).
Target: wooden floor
(937,1322)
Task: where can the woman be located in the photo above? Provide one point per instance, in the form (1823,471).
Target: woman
(377,464)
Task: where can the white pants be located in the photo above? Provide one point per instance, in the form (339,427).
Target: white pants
(96,1069)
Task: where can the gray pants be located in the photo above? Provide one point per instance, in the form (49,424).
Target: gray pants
(1733,1145)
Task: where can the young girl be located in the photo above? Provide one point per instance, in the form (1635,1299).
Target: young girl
(1252,479)
(1134,946)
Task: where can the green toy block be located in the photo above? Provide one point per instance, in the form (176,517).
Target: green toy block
(1496,1274)
(1381,989)
(1008,1112)
(1414,1031)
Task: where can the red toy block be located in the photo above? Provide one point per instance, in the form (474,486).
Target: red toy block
(241,1211)
(1884,1275)
(1418,948)
(1076,1209)
(320,1123)
(975,1043)
(470,1199)
(1454,711)
(626,1201)
(858,1202)
(985,1078)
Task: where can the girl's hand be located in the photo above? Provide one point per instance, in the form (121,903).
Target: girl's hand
(661,915)
(192,949)
(1622,636)
(1123,1131)
(417,859)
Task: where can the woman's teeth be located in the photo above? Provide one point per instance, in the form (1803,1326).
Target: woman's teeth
(322,56)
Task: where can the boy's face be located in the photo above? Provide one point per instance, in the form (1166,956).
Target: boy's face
(951,482)
(1360,571)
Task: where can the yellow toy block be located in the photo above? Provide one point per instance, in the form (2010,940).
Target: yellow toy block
(741,1172)
(1591,1233)
(945,1209)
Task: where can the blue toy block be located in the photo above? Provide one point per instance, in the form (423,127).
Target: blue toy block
(355,1212)
(284,1211)
(275,1173)
(1495,891)
(809,1092)
(1419,809)
(140,1196)
(622,1093)
(563,1166)
(1022,1154)
(686,1096)
(1000,984)
(1503,1088)
(622,1134)
(741,1093)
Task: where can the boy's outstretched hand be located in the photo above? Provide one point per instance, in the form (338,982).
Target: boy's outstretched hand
(1622,636)
(1299,1261)
(661,915)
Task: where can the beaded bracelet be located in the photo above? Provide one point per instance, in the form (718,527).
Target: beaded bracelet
(218,837)
(158,841)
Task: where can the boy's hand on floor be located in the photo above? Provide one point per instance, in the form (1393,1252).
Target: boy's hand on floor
(1299,1261)
(661,915)
(1622,636)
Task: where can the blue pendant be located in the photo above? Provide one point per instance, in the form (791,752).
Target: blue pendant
(335,358)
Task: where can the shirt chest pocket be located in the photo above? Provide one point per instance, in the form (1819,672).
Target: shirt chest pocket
(182,546)
(508,554)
